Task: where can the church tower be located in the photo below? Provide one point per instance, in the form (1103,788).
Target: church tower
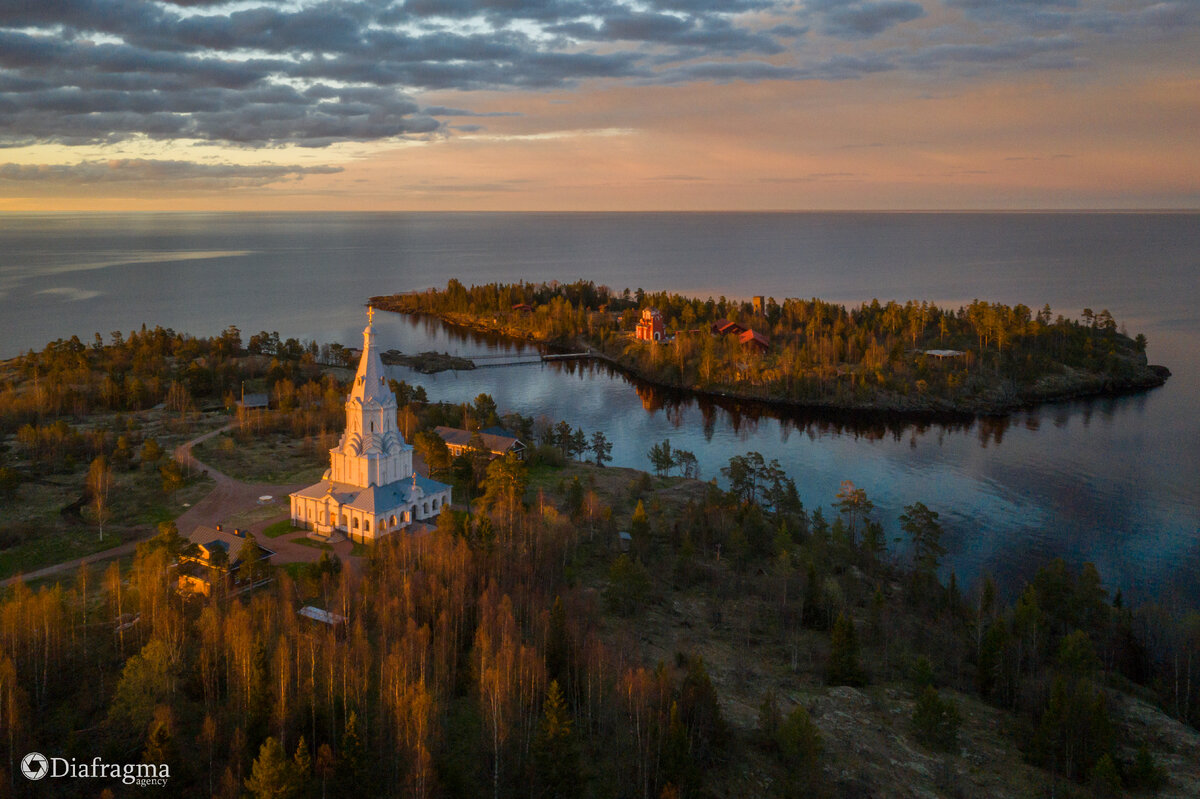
(370,489)
(372,451)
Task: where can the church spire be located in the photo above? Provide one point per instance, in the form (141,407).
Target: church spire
(370,382)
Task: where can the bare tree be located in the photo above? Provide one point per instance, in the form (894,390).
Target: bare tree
(99,482)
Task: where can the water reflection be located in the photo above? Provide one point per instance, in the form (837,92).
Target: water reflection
(1087,480)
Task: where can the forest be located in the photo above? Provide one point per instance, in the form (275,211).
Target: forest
(737,643)
(880,356)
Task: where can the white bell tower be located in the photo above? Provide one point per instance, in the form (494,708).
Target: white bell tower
(372,451)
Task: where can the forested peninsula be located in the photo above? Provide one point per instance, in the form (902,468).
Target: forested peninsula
(915,357)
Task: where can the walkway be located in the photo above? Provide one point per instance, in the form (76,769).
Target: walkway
(229,497)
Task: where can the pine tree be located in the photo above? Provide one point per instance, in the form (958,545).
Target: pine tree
(936,721)
(844,668)
(273,775)
(555,755)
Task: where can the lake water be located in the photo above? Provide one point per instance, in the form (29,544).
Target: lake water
(1112,481)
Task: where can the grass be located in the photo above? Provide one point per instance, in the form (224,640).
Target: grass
(38,535)
(275,458)
(297,571)
(258,514)
(308,542)
(281,528)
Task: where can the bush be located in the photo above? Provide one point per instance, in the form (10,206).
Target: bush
(936,721)
(628,585)
(800,747)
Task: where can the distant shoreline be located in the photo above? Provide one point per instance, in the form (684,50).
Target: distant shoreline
(1069,388)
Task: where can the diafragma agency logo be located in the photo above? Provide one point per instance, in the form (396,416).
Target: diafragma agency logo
(35,766)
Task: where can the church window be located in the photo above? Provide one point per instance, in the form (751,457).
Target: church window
(393,521)
(366,525)
(356,523)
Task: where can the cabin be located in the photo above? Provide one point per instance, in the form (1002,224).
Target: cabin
(651,326)
(754,341)
(324,619)
(212,557)
(459,441)
(254,402)
(723,327)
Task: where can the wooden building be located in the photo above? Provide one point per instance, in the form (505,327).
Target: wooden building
(459,441)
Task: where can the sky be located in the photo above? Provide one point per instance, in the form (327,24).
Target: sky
(598,105)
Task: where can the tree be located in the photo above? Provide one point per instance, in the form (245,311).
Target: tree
(151,452)
(688,465)
(579,443)
(147,680)
(799,745)
(574,497)
(273,775)
(936,721)
(925,532)
(555,755)
(504,488)
(433,451)
(844,668)
(628,585)
(601,448)
(253,566)
(99,482)
(853,504)
(661,457)
(172,477)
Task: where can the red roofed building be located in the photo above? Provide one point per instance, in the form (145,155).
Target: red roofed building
(723,327)
(754,340)
(650,327)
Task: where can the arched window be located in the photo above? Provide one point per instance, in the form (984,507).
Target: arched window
(355,522)
(372,427)
(393,521)
(366,525)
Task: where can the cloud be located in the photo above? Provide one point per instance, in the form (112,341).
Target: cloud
(181,174)
(266,73)
(860,20)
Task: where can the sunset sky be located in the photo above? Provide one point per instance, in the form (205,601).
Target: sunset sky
(608,105)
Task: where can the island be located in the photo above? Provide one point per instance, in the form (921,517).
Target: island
(912,357)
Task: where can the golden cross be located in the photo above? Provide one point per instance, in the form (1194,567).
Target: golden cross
(370,314)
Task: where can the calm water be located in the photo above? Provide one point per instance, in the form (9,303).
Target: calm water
(1116,482)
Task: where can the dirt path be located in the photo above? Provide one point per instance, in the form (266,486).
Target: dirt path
(228,497)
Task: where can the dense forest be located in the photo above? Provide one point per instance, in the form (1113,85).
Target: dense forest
(487,659)
(739,643)
(876,356)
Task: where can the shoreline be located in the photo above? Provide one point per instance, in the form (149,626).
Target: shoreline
(1081,387)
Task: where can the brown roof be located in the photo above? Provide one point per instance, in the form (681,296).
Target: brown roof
(751,337)
(725,326)
(210,537)
(462,438)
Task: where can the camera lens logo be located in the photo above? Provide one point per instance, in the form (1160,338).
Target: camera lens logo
(35,766)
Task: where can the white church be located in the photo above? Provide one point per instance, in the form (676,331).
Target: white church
(370,489)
